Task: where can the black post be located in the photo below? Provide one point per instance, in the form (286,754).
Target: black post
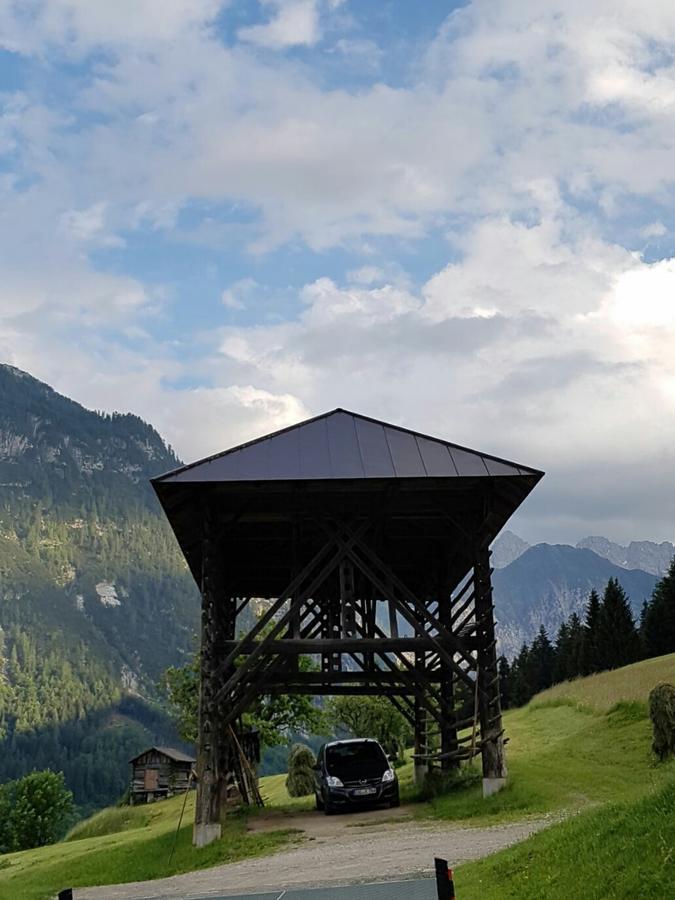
(444,880)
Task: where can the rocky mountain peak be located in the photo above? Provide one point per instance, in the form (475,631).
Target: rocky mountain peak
(646,555)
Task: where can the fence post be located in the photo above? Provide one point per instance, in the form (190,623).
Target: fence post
(444,880)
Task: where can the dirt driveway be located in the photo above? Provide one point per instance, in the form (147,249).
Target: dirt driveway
(374,845)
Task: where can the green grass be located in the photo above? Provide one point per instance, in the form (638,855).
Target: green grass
(603,691)
(620,850)
(133,844)
(572,748)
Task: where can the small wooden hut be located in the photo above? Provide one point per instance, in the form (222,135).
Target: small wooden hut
(159,772)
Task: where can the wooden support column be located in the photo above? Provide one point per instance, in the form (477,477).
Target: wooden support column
(447,688)
(212,751)
(421,767)
(489,703)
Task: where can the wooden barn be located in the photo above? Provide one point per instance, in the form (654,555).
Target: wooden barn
(159,772)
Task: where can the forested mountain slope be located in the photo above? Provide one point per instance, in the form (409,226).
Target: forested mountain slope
(95,599)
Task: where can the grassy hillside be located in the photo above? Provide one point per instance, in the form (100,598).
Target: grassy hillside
(127,844)
(577,746)
(581,742)
(624,849)
(618,851)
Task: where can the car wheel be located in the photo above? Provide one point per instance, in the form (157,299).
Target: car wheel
(319,801)
(395,802)
(328,808)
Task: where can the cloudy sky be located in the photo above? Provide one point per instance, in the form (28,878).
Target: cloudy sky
(227,216)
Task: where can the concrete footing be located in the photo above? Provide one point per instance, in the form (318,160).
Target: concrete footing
(205,834)
(419,773)
(492,786)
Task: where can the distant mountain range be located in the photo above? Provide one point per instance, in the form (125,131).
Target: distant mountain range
(545,583)
(548,582)
(646,555)
(96,600)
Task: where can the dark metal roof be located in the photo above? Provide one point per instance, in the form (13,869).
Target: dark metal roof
(342,444)
(171,752)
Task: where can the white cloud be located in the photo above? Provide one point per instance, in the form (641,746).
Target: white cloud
(235,296)
(654,229)
(293,23)
(79,26)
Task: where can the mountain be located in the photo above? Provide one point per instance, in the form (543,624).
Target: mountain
(95,597)
(507,548)
(646,555)
(549,582)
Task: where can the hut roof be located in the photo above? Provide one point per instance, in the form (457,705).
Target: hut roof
(171,752)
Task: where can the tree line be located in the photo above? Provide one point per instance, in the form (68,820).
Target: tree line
(607,637)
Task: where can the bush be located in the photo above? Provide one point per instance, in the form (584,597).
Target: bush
(662,714)
(300,779)
(34,811)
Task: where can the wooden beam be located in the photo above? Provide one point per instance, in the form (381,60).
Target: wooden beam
(295,646)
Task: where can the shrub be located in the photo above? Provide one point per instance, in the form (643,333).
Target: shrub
(662,714)
(300,779)
(34,811)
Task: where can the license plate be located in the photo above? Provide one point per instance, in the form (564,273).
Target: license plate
(364,792)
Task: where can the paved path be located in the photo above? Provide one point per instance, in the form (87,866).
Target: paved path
(340,850)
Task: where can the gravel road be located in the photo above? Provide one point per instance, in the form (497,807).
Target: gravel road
(346,849)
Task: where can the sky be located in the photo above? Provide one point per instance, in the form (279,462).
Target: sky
(228,216)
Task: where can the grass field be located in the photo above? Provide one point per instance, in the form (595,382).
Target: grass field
(617,851)
(576,746)
(127,844)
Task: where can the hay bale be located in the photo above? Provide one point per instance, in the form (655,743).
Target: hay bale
(662,714)
(300,778)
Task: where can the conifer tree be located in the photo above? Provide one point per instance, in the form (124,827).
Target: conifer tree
(618,642)
(505,686)
(576,646)
(542,662)
(590,650)
(658,624)
(561,670)
(521,689)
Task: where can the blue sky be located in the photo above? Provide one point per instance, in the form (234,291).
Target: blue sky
(226,216)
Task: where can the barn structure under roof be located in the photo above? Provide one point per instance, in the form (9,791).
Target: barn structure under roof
(372,543)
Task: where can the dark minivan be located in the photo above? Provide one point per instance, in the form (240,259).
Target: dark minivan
(353,773)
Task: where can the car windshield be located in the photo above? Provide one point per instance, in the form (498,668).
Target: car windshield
(356,760)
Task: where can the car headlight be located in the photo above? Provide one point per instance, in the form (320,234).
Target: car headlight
(388,776)
(332,781)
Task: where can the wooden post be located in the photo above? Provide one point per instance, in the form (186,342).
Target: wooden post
(489,703)
(215,752)
(421,767)
(210,780)
(449,743)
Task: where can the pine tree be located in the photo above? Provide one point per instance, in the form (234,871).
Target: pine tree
(590,650)
(658,625)
(618,641)
(563,649)
(542,662)
(521,690)
(576,646)
(505,686)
